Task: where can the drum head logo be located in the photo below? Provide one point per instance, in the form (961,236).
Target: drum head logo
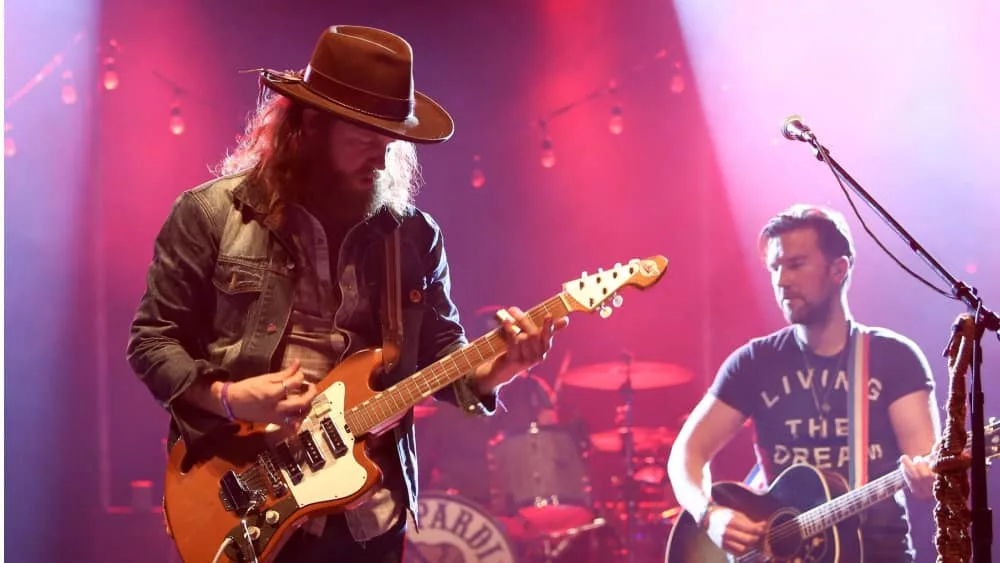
(453,530)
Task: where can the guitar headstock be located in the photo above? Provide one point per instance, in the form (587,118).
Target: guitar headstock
(590,292)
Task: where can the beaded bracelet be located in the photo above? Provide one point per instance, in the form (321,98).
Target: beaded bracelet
(224,395)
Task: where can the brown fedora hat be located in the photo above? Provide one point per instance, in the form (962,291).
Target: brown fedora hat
(366,76)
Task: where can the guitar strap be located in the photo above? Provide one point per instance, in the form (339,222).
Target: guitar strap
(857,405)
(392,306)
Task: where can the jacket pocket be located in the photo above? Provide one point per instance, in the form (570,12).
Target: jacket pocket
(234,276)
(239,283)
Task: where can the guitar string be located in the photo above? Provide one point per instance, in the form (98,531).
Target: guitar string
(889,482)
(798,525)
(436,376)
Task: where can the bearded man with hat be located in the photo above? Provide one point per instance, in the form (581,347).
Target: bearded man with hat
(265,278)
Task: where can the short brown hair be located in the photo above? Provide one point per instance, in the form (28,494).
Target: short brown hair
(831,229)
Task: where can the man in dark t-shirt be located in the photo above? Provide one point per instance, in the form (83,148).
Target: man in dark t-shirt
(793,385)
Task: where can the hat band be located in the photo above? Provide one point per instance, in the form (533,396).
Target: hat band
(377,105)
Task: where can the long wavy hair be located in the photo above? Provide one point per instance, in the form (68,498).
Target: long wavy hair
(271,153)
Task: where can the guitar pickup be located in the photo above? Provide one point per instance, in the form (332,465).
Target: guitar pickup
(333,438)
(313,456)
(286,460)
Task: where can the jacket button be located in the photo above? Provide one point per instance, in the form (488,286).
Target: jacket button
(271,328)
(290,266)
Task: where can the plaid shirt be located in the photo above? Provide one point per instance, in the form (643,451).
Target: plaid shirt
(319,345)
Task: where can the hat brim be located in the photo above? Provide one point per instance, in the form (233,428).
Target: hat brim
(430,122)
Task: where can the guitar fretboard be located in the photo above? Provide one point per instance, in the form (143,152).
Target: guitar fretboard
(398,398)
(817,519)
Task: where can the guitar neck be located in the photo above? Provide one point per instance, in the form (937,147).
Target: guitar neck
(826,515)
(397,399)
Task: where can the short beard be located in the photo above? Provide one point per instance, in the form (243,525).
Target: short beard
(816,315)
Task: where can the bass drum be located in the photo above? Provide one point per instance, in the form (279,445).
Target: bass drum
(455,530)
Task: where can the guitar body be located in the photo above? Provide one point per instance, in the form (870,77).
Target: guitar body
(796,490)
(207,489)
(238,494)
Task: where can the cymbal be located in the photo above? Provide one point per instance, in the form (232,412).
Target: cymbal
(644,439)
(611,375)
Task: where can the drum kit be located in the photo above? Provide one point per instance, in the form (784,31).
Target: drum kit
(591,486)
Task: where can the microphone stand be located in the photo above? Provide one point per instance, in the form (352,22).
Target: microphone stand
(629,450)
(982,527)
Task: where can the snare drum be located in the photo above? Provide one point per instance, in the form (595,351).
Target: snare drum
(455,530)
(539,475)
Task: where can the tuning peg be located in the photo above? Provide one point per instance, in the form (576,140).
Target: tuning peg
(617,300)
(584,274)
(618,265)
(605,311)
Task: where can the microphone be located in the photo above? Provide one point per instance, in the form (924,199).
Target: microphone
(794,130)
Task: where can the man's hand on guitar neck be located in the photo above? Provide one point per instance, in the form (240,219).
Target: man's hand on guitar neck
(527,345)
(918,475)
(731,530)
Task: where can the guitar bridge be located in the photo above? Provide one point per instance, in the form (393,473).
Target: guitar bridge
(236,497)
(274,479)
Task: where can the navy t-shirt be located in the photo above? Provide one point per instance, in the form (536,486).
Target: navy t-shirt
(798,403)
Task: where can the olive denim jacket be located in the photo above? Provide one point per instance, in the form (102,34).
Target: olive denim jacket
(220,289)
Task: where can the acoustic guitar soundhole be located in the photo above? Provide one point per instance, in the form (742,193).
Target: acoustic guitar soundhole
(784,540)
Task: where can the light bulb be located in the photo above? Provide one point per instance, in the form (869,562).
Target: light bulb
(176,120)
(478,179)
(616,124)
(68,88)
(9,147)
(677,84)
(110,74)
(548,155)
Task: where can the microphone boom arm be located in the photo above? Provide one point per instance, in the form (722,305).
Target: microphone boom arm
(985,320)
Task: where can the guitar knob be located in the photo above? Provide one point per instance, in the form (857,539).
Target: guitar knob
(617,300)
(605,311)
(272,517)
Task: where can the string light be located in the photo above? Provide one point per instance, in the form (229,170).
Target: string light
(111,78)
(110,74)
(677,82)
(176,119)
(68,88)
(616,124)
(548,154)
(478,178)
(9,148)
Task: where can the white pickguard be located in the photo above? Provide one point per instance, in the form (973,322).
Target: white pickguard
(339,477)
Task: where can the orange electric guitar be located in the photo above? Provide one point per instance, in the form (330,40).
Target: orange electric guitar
(238,495)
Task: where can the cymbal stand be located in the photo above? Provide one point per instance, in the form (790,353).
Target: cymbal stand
(565,538)
(628,449)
